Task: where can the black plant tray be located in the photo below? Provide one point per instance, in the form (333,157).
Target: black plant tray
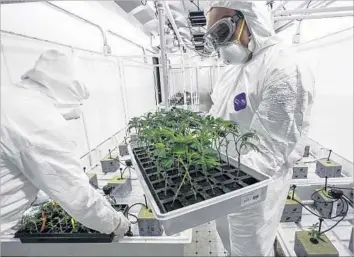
(86,237)
(222,180)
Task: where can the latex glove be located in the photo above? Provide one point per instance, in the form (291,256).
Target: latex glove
(123,227)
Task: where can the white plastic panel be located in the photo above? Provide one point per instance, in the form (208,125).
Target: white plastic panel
(332,112)
(104,111)
(121,47)
(21,54)
(5,75)
(140,88)
(43,21)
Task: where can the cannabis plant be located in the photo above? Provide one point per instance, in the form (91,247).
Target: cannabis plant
(188,143)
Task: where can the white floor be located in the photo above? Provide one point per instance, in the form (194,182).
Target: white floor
(205,242)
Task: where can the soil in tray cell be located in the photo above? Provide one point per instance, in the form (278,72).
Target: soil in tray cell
(204,183)
(222,177)
(214,171)
(185,190)
(194,167)
(227,168)
(192,199)
(238,174)
(216,191)
(250,181)
(144,160)
(139,148)
(170,206)
(172,172)
(148,164)
(143,156)
(155,176)
(233,186)
(158,185)
(150,170)
(165,195)
(196,174)
(176,180)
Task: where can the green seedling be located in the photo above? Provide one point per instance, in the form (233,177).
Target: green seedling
(185,141)
(309,243)
(51,218)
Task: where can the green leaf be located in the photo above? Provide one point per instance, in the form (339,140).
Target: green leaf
(167,163)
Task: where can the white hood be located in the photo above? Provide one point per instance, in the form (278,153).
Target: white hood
(55,74)
(258,20)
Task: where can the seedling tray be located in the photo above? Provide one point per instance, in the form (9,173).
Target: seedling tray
(88,236)
(225,192)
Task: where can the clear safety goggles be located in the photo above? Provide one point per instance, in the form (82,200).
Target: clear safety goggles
(222,31)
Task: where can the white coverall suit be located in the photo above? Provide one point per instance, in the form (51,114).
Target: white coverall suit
(271,94)
(37,148)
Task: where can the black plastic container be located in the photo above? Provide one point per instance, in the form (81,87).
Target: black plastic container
(93,237)
(218,181)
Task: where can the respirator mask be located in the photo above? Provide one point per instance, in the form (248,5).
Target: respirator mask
(219,38)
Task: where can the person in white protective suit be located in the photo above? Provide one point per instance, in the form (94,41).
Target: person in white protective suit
(265,89)
(37,148)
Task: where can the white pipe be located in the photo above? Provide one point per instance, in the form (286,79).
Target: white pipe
(313,10)
(184,78)
(163,58)
(106,47)
(194,66)
(137,56)
(325,36)
(6,64)
(173,23)
(280,6)
(123,89)
(311,17)
(290,23)
(197,83)
(87,139)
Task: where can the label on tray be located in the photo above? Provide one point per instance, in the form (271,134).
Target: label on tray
(250,198)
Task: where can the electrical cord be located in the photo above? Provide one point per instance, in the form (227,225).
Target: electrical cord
(344,215)
(316,192)
(304,206)
(319,216)
(135,204)
(143,204)
(130,172)
(143,2)
(136,218)
(337,199)
(350,201)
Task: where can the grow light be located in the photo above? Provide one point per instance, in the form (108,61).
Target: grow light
(197,19)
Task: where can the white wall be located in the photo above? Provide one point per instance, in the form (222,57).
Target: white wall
(118,86)
(332,60)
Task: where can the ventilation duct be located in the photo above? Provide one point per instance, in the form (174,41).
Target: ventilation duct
(128,6)
(145,15)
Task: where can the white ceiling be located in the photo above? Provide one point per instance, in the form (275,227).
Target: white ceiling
(145,13)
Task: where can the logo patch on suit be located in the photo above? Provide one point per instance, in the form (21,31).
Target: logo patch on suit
(240,102)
